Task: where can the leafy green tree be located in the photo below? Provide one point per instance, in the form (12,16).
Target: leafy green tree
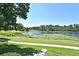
(26,29)
(9,13)
(19,27)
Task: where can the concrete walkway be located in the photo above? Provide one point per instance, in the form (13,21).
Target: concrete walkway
(50,45)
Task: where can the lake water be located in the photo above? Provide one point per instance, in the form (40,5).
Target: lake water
(75,34)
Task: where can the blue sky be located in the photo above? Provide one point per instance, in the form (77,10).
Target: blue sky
(51,13)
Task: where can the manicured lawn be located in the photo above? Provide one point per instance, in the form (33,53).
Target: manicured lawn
(10,49)
(47,41)
(45,38)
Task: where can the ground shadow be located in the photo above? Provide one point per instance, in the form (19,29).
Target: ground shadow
(6,48)
(4,40)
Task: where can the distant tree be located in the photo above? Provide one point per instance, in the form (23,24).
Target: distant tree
(42,28)
(56,27)
(71,27)
(76,27)
(49,28)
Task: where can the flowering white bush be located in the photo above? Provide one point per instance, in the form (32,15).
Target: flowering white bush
(41,52)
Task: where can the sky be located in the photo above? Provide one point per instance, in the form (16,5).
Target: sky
(51,13)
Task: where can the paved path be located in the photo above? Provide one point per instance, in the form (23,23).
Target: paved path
(50,45)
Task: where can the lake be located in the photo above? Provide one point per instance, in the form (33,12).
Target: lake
(75,34)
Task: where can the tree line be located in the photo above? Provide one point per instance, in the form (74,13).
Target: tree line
(71,27)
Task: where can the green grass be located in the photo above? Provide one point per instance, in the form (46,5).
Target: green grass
(13,34)
(45,38)
(11,49)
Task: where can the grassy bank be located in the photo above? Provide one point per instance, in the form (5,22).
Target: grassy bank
(45,38)
(10,49)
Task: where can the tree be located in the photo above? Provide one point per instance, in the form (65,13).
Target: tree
(20,27)
(76,27)
(70,27)
(49,28)
(26,29)
(10,11)
(43,28)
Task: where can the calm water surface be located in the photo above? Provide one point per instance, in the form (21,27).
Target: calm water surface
(75,34)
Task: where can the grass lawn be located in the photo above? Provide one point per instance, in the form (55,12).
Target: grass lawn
(10,49)
(45,38)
